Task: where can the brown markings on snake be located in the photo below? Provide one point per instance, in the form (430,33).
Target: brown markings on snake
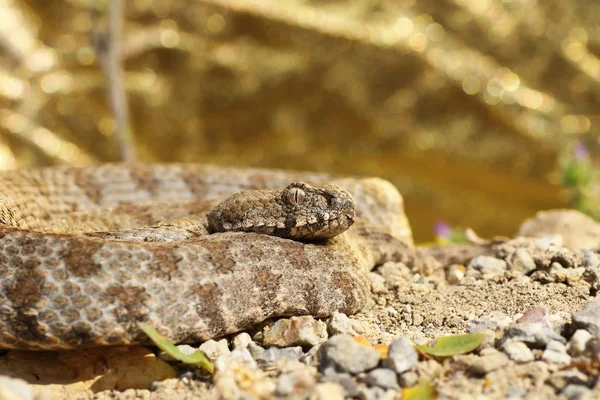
(195,182)
(144,179)
(131,301)
(208,297)
(24,291)
(78,256)
(164,261)
(347,285)
(219,257)
(84,179)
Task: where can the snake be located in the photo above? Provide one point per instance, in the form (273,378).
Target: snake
(195,251)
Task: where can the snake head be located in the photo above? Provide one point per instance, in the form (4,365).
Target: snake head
(298,212)
(316,213)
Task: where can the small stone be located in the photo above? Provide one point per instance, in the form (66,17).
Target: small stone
(345,380)
(486,267)
(535,315)
(241,341)
(495,320)
(382,377)
(517,351)
(408,379)
(395,274)
(255,350)
(455,274)
(15,389)
(377,283)
(401,355)
(554,345)
(490,361)
(297,384)
(374,393)
(343,354)
(274,354)
(522,262)
(310,356)
(565,275)
(588,318)
(589,259)
(578,342)
(237,376)
(213,349)
(534,335)
(556,353)
(295,331)
(327,391)
(577,392)
(339,323)
(560,379)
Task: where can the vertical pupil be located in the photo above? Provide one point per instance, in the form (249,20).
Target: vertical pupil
(296,195)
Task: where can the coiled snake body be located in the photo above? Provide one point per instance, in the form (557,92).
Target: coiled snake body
(86,253)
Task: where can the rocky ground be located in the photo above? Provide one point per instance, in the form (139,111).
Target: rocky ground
(535,299)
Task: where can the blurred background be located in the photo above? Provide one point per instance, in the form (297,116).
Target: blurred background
(468,107)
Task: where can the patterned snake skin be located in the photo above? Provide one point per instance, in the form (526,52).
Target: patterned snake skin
(86,253)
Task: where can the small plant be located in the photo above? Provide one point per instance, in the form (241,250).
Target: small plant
(198,358)
(578,176)
(445,234)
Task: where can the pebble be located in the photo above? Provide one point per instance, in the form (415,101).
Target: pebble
(486,267)
(213,349)
(377,283)
(517,351)
(522,262)
(455,274)
(565,275)
(556,353)
(534,335)
(382,377)
(401,355)
(578,342)
(311,355)
(15,389)
(241,341)
(588,318)
(490,360)
(295,384)
(345,380)
(408,379)
(495,320)
(374,393)
(395,274)
(343,354)
(327,391)
(295,331)
(535,315)
(274,354)
(589,259)
(339,323)
(560,379)
(576,392)
(237,376)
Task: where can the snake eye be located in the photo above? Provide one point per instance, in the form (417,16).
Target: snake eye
(295,196)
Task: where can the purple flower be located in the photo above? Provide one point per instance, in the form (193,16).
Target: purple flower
(442,229)
(580,151)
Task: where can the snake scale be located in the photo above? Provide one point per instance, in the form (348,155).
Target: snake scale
(87,253)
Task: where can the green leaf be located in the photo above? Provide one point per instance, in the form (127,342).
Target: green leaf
(198,358)
(423,391)
(452,345)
